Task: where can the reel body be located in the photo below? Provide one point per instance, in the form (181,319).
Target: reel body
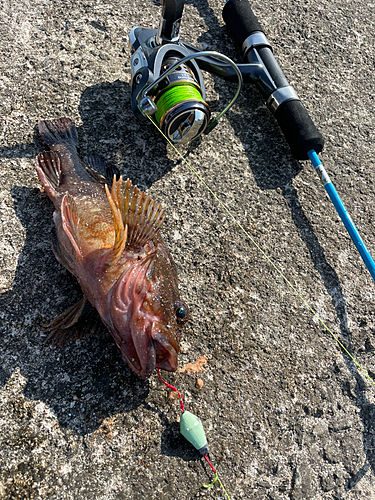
(167,81)
(178,100)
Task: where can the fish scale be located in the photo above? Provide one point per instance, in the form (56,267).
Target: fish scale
(96,225)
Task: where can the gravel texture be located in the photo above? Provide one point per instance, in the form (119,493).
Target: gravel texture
(287,415)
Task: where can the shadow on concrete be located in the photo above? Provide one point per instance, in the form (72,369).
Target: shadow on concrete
(174,444)
(110,128)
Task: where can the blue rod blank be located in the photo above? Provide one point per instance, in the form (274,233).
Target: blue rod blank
(343,213)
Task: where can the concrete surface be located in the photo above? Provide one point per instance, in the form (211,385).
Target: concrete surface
(287,415)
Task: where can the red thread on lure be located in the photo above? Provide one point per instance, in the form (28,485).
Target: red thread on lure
(210,464)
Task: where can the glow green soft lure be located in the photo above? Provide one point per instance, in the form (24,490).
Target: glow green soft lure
(192,429)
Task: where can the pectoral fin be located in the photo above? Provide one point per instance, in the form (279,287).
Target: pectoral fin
(78,321)
(142,216)
(70,221)
(64,258)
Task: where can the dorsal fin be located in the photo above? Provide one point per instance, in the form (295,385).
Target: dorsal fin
(142,216)
(102,170)
(121,231)
(70,220)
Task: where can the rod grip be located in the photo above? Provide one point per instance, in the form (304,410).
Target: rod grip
(292,117)
(298,129)
(240,19)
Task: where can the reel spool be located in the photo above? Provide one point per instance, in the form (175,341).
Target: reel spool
(177,100)
(182,113)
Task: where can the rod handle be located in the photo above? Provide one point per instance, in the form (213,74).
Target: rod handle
(241,20)
(291,115)
(298,129)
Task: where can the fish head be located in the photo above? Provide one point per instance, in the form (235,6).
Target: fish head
(147,313)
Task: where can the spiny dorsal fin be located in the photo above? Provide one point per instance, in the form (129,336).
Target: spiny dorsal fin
(48,168)
(121,231)
(142,216)
(70,221)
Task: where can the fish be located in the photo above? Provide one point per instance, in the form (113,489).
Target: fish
(107,236)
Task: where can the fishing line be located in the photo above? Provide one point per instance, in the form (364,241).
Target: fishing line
(175,95)
(216,478)
(268,258)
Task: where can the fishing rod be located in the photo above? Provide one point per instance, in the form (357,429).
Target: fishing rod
(167,85)
(303,138)
(167,88)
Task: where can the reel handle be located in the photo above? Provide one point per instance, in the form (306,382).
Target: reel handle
(170,20)
(292,117)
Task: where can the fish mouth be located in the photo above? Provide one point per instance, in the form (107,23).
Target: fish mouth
(159,352)
(166,354)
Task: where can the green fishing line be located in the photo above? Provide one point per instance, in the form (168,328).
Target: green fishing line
(174,95)
(293,288)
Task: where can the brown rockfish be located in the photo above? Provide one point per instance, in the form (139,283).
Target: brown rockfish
(108,238)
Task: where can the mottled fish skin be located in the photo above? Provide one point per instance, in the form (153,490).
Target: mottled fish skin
(108,238)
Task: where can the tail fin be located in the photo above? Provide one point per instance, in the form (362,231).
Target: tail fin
(58,131)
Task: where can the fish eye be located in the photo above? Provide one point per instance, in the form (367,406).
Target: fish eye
(181,311)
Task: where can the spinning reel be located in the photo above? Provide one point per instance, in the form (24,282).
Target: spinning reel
(167,82)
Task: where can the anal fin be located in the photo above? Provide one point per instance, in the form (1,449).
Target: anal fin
(70,221)
(48,168)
